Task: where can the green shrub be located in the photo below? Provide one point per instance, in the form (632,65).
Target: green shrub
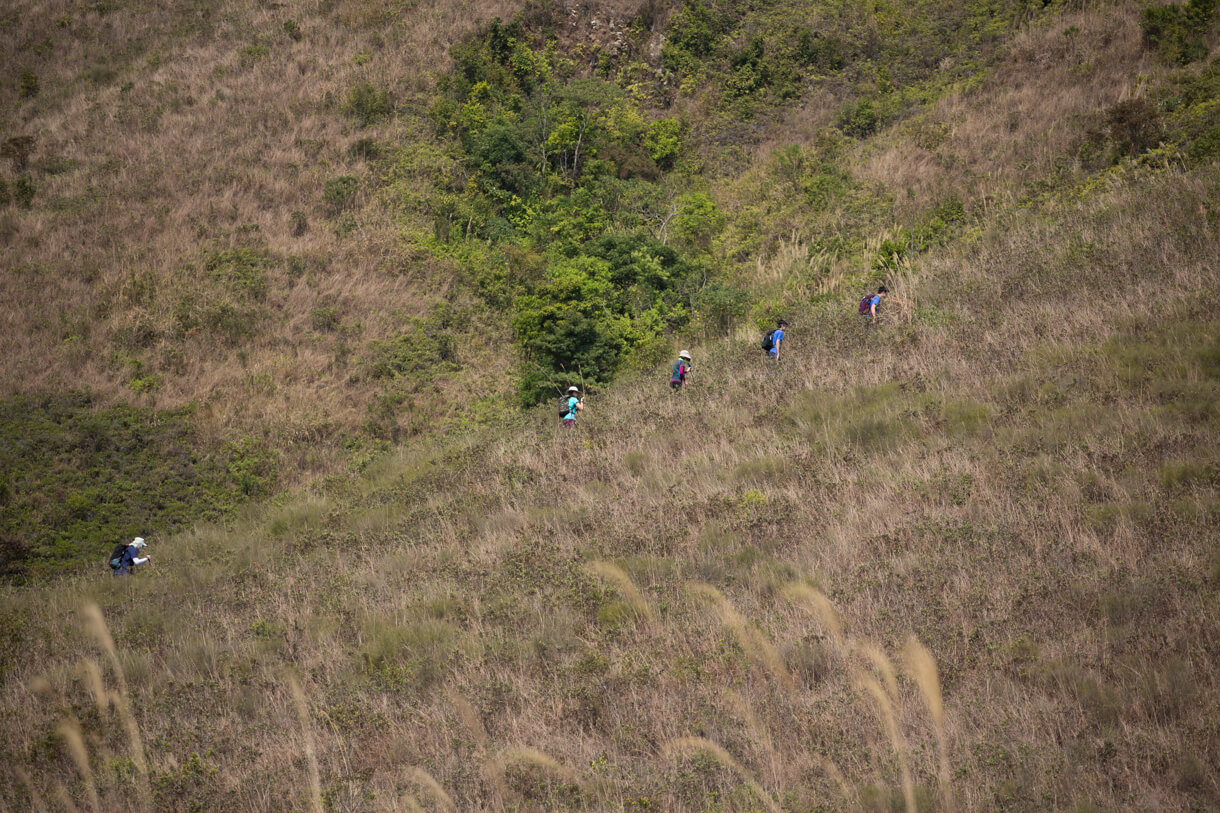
(23,191)
(244,270)
(409,658)
(324,319)
(591,311)
(225,319)
(365,148)
(859,119)
(1179,32)
(422,352)
(368,104)
(293,30)
(17,150)
(694,33)
(720,308)
(339,193)
(663,142)
(253,53)
(253,465)
(28,87)
(1134,126)
(819,50)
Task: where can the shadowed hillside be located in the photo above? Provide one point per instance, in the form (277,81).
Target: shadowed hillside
(965,558)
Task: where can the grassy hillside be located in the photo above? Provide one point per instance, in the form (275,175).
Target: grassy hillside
(964,559)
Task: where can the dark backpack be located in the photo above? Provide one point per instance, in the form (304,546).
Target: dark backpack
(866,304)
(769,341)
(564,409)
(116,555)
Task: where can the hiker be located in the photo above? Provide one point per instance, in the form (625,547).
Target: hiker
(868,305)
(124,557)
(682,367)
(771,341)
(574,403)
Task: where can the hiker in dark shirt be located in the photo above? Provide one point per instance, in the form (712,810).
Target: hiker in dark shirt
(129,557)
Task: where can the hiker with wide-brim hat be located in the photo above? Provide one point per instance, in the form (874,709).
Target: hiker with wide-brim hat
(574,404)
(682,368)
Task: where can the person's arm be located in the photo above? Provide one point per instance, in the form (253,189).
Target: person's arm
(580,405)
(140,560)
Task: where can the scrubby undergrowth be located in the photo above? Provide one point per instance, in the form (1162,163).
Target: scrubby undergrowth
(626,615)
(692,602)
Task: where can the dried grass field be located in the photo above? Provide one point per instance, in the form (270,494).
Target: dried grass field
(966,558)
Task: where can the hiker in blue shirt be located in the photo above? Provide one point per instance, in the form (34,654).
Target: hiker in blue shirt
(575,404)
(868,305)
(682,368)
(772,340)
(123,563)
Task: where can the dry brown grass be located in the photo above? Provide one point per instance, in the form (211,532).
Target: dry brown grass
(985,144)
(210,140)
(445,614)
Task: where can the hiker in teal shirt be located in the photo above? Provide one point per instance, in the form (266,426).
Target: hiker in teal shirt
(575,404)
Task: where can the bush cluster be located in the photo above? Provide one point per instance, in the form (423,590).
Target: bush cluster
(75,480)
(1178,32)
(565,178)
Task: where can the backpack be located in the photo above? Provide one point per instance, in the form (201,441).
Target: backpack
(768,341)
(564,409)
(866,304)
(116,555)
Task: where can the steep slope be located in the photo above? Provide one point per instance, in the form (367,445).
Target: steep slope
(705,601)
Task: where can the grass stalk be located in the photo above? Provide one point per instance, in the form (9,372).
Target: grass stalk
(874,688)
(122,701)
(315,781)
(69,730)
(922,667)
(36,802)
(752,641)
(618,577)
(816,602)
(470,718)
(426,781)
(64,798)
(683,745)
(96,684)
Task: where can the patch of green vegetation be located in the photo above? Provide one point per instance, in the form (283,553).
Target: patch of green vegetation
(367,104)
(243,270)
(411,658)
(867,418)
(1191,104)
(591,311)
(339,193)
(1179,32)
(76,479)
